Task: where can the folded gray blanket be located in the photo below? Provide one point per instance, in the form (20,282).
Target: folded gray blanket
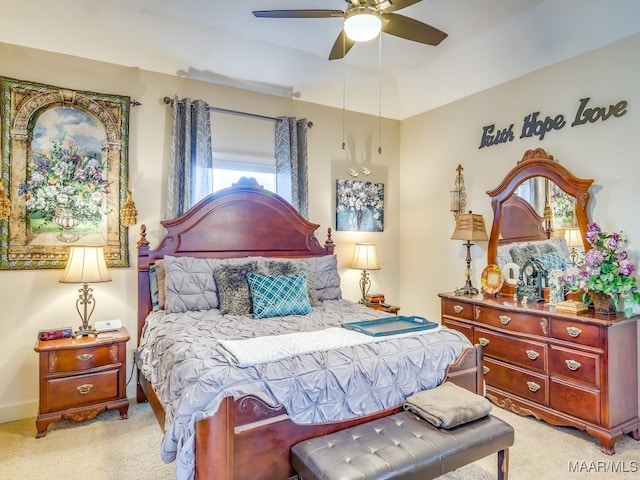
(448,405)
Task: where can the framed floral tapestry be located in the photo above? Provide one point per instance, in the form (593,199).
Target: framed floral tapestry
(65,166)
(359,206)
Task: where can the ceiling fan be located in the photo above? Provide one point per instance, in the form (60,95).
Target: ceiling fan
(368,12)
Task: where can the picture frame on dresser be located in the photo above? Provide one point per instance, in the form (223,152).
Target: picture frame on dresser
(577,369)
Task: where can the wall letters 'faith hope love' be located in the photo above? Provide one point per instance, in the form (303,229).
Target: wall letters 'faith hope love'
(533,125)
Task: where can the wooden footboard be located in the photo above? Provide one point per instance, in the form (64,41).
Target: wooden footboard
(247,438)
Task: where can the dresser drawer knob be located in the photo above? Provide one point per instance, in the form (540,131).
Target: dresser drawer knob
(533,386)
(83,357)
(458,308)
(532,354)
(504,319)
(574,331)
(485,369)
(483,341)
(573,365)
(84,388)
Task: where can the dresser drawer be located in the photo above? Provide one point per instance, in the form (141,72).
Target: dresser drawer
(516,380)
(573,365)
(81,389)
(82,358)
(576,332)
(511,321)
(464,328)
(458,309)
(526,353)
(581,402)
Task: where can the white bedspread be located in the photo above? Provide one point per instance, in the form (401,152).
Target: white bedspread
(253,351)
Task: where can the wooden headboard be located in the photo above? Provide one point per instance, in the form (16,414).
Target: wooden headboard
(240,221)
(520,222)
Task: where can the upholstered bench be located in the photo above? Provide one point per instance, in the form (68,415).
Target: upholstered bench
(402,446)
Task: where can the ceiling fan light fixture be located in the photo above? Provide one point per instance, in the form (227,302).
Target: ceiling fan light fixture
(362,24)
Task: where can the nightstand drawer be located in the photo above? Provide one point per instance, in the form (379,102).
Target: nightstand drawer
(81,389)
(454,308)
(82,358)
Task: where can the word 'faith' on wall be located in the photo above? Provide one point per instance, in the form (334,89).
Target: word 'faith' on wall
(535,126)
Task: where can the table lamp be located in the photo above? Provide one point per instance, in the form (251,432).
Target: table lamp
(573,237)
(365,258)
(469,227)
(85,265)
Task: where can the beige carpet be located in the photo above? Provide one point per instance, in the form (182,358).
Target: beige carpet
(108,448)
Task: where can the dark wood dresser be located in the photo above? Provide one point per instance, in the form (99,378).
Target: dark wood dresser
(579,370)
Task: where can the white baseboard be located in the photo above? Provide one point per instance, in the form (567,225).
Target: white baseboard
(11,413)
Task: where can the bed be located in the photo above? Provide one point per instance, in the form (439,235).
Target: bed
(245,429)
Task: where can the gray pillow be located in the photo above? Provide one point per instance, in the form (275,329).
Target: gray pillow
(189,284)
(283,266)
(325,277)
(233,288)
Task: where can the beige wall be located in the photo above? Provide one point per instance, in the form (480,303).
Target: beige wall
(435,142)
(34,300)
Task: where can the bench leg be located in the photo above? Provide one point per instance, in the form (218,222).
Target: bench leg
(503,464)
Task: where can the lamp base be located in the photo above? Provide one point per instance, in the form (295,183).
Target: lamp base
(466,290)
(85,331)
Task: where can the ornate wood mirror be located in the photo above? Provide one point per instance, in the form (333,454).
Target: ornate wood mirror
(537,200)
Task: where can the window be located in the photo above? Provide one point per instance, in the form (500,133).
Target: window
(242,147)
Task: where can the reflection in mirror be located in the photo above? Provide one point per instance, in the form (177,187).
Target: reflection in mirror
(536,202)
(550,202)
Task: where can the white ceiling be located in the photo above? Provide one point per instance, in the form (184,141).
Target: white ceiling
(489,43)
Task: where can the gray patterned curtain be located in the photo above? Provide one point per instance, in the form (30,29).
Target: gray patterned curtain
(291,163)
(191,158)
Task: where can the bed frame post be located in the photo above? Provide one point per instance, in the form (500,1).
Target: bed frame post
(144,295)
(214,456)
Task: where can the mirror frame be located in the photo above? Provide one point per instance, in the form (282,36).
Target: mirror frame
(537,163)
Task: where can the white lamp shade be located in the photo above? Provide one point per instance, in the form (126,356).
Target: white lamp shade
(362,24)
(573,237)
(365,257)
(85,265)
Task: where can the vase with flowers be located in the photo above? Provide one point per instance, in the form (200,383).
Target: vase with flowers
(65,186)
(605,274)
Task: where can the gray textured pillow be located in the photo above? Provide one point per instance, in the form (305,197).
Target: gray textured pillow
(325,277)
(189,284)
(233,288)
(284,266)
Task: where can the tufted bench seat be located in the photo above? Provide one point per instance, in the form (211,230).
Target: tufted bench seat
(402,446)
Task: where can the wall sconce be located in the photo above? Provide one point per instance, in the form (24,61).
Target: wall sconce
(5,203)
(128,212)
(469,226)
(573,237)
(365,258)
(458,195)
(85,265)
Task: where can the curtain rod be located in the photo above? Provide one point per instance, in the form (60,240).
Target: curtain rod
(169,101)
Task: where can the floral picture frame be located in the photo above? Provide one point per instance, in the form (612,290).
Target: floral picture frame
(64,162)
(359,206)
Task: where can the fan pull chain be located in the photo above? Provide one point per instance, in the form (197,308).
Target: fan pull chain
(344,87)
(380,94)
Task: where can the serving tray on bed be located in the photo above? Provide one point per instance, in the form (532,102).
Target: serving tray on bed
(391,325)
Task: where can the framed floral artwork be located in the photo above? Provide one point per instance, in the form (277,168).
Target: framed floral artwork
(65,166)
(359,206)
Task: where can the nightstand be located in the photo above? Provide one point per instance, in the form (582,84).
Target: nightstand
(383,307)
(82,377)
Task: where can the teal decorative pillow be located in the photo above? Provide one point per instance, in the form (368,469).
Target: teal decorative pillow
(551,261)
(277,296)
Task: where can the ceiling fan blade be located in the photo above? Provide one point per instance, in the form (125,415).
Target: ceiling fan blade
(298,13)
(399,4)
(341,46)
(410,29)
